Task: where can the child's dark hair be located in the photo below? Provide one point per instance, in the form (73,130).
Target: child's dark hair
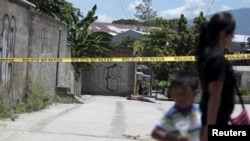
(209,33)
(184,78)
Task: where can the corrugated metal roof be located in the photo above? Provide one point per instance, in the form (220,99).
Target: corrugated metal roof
(115,29)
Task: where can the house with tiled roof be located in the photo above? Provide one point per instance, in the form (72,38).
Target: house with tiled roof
(119,31)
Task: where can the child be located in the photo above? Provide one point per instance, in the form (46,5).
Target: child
(183,89)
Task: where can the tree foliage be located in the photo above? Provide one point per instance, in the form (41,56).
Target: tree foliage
(135,22)
(126,21)
(127,41)
(83,43)
(138,47)
(171,38)
(144,11)
(54,8)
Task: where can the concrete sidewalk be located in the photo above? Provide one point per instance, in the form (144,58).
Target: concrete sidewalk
(100,118)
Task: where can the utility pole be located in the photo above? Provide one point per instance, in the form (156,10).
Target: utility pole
(148,8)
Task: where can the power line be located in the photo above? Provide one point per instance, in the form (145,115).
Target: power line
(126,5)
(124,11)
(209,8)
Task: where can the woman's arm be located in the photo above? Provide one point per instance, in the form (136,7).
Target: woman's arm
(216,75)
(215,90)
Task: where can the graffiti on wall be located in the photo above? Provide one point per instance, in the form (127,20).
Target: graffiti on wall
(7,44)
(109,77)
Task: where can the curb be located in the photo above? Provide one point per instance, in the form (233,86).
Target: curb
(87,98)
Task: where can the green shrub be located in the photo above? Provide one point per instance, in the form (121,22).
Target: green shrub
(64,100)
(244,91)
(20,108)
(3,111)
(36,98)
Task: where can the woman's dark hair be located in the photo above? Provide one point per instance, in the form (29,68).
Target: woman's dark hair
(182,78)
(209,33)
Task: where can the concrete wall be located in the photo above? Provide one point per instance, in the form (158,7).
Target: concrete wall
(109,79)
(14,38)
(48,39)
(245,79)
(243,76)
(236,47)
(26,33)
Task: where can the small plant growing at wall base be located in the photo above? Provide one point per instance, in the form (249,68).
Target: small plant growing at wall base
(65,100)
(36,97)
(4,113)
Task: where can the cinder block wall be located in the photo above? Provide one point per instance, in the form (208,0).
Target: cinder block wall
(14,42)
(26,33)
(109,79)
(47,40)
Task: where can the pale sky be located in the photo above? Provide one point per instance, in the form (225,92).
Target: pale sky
(109,10)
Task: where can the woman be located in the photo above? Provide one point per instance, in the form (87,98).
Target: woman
(215,71)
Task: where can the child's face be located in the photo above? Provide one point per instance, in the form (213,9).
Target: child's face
(183,95)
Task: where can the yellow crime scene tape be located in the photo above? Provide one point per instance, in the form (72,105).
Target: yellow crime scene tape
(122,59)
